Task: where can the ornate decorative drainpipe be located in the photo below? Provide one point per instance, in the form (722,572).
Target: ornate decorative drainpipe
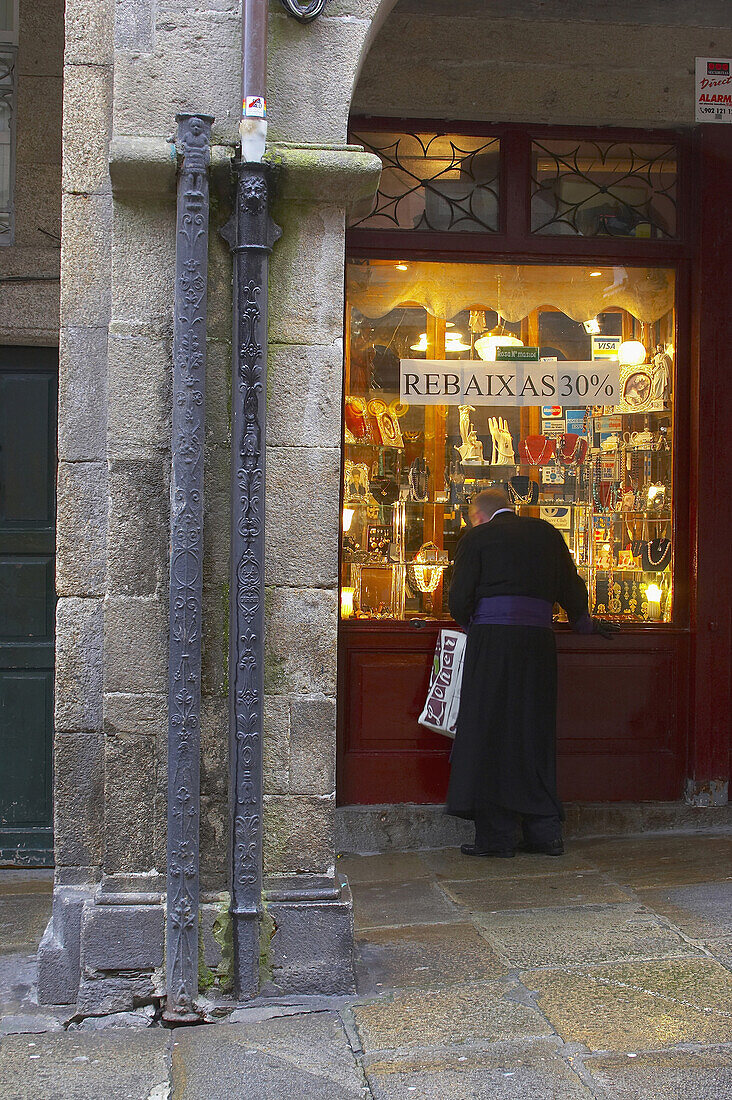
(251,234)
(186,561)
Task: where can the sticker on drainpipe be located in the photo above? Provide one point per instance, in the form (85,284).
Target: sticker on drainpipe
(254,106)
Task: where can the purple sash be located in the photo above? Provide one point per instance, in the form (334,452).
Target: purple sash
(512,611)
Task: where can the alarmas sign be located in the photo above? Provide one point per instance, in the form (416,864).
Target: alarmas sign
(714,89)
(474,382)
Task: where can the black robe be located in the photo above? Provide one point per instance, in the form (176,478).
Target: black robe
(504,752)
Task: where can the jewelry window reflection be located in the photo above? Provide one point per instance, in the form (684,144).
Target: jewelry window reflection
(603,475)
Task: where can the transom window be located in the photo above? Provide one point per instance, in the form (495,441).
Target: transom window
(433,181)
(495,181)
(603,188)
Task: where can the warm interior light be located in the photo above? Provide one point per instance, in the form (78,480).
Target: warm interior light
(454,342)
(348,514)
(653,596)
(421,345)
(592,327)
(595,274)
(402,267)
(631,353)
(347,595)
(486,346)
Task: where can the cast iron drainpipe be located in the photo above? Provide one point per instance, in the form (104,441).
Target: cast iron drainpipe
(251,234)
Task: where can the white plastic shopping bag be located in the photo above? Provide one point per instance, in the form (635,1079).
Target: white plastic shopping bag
(443,698)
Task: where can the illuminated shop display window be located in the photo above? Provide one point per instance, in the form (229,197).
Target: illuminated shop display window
(555,381)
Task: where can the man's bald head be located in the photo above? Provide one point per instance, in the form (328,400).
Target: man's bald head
(484,505)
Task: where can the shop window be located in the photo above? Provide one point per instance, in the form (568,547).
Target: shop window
(433,181)
(553,381)
(603,189)
(8,51)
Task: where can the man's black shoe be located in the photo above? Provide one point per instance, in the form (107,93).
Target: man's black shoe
(497,853)
(553,848)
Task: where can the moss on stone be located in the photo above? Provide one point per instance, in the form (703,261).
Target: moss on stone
(223,933)
(225,593)
(267,929)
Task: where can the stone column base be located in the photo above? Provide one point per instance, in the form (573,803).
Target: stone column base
(311,936)
(101,951)
(59,950)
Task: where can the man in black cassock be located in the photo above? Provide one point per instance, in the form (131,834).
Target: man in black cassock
(509,572)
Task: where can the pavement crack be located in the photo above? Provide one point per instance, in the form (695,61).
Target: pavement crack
(656,994)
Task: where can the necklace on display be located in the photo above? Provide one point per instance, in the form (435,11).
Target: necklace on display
(657,555)
(537,450)
(419,477)
(521,490)
(571,448)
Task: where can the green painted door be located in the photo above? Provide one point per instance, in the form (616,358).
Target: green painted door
(28,388)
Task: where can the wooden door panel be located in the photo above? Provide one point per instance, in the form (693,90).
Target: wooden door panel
(623,698)
(622,714)
(389,691)
(25,777)
(26,597)
(27,452)
(28,379)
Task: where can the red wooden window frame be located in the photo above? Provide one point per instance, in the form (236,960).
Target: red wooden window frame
(586,770)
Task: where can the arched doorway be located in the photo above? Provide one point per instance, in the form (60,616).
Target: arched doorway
(483,205)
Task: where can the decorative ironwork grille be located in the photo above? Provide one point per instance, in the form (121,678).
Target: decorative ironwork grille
(7,128)
(603,189)
(434,181)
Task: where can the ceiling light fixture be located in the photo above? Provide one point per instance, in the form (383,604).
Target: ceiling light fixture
(486,346)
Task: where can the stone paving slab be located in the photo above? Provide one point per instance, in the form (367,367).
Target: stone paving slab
(26,882)
(476,1012)
(421,902)
(702,911)
(504,1071)
(23,920)
(576,888)
(662,860)
(450,863)
(76,1066)
(386,867)
(609,851)
(580,935)
(638,1006)
(287,1058)
(17,976)
(426,956)
(20,1012)
(665,1075)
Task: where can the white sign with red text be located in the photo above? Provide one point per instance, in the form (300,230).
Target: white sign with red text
(714,89)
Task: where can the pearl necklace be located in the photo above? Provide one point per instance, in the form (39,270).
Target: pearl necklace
(665,548)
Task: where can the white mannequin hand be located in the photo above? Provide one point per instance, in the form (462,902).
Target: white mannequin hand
(502,442)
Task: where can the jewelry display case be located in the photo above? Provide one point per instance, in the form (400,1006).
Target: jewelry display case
(601,474)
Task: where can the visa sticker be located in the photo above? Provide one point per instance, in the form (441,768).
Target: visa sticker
(254,106)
